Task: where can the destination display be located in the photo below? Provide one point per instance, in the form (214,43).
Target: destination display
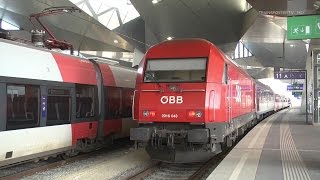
(289,75)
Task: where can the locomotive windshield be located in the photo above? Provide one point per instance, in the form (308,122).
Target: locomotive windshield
(176,70)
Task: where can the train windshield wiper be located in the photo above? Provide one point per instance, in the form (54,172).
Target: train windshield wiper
(154,79)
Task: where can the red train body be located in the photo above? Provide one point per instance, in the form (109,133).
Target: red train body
(54,103)
(190,97)
(192,102)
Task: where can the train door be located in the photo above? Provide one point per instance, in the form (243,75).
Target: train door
(227,81)
(229,101)
(59,106)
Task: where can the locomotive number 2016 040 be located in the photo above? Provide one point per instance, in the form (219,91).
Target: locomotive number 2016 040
(169,115)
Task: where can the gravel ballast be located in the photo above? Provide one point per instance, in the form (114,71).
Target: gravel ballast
(111,165)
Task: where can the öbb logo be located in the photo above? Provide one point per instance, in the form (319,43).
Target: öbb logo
(171,99)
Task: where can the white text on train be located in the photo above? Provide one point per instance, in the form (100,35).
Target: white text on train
(171,99)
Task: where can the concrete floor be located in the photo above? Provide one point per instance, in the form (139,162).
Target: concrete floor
(282,146)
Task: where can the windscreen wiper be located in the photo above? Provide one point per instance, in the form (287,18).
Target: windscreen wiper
(154,79)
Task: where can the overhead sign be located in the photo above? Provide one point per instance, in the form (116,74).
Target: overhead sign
(297,94)
(303,27)
(295,87)
(289,75)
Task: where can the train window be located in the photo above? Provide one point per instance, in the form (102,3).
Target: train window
(127,98)
(113,103)
(85,100)
(22,106)
(58,107)
(171,70)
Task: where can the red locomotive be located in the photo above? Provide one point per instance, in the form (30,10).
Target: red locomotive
(192,102)
(54,103)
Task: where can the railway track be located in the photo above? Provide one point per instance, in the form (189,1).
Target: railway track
(191,171)
(188,171)
(30,168)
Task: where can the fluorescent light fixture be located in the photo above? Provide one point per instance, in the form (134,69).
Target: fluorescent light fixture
(116,41)
(292,45)
(169,38)
(155,1)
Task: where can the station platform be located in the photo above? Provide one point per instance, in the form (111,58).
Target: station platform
(281,147)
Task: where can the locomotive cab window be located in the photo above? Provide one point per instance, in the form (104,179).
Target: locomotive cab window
(58,107)
(22,106)
(176,70)
(85,100)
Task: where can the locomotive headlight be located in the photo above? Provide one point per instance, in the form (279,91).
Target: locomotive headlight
(191,113)
(147,113)
(198,114)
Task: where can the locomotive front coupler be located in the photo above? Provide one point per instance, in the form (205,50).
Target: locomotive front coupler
(167,138)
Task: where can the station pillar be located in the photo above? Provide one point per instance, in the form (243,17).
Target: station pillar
(306,99)
(316,86)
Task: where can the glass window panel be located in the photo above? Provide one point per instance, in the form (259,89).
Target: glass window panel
(127,98)
(85,101)
(96,5)
(241,50)
(22,106)
(8,26)
(76,1)
(114,21)
(236,52)
(58,107)
(171,70)
(112,103)
(246,52)
(105,18)
(126,10)
(104,7)
(86,9)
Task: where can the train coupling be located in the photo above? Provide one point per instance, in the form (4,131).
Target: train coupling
(168,138)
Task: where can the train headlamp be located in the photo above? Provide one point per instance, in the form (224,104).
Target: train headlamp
(195,114)
(147,113)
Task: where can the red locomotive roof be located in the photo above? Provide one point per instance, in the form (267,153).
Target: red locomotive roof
(183,48)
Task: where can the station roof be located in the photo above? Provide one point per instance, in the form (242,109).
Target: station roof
(259,25)
(80,29)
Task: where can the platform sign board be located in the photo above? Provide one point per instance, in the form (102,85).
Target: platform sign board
(295,87)
(303,27)
(296,93)
(289,75)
